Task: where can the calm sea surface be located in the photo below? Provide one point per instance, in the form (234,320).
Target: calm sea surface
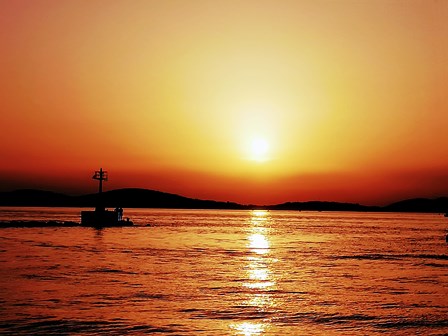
(246,273)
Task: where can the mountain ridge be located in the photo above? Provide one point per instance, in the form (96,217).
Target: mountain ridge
(147,198)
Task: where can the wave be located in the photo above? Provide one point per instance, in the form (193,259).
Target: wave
(413,323)
(375,256)
(110,270)
(68,327)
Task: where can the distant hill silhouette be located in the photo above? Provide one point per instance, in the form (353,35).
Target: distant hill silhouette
(144,198)
(31,197)
(419,205)
(127,198)
(320,206)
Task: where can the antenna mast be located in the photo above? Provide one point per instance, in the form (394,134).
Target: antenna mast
(100,175)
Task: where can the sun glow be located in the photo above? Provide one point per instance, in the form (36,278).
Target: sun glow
(259,149)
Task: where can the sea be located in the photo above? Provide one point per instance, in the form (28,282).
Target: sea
(223,272)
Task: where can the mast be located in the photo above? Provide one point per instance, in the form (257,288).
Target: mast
(101,176)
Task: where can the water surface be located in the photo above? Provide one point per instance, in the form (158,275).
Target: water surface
(196,272)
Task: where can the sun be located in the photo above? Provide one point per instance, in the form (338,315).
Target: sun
(259,149)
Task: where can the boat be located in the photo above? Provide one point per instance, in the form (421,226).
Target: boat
(101,217)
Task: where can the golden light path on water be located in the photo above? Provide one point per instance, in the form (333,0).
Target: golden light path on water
(258,274)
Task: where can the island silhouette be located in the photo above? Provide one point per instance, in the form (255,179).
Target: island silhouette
(146,198)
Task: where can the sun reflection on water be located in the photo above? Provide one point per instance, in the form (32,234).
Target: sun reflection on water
(260,300)
(258,243)
(248,328)
(258,273)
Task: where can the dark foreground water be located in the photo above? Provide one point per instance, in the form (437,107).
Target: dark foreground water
(226,273)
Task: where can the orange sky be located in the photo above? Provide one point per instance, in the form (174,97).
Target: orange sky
(249,101)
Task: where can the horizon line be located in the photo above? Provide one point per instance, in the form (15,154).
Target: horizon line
(227,201)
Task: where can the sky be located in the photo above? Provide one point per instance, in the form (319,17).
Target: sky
(256,102)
